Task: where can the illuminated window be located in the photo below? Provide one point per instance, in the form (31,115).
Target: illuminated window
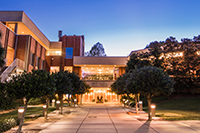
(11,26)
(69,53)
(69,69)
(53,52)
(99,73)
(54,69)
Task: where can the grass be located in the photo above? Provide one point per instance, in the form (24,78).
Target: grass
(180,108)
(30,110)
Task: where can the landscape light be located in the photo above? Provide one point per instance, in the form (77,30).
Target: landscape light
(153,110)
(140,106)
(153,106)
(21,110)
(44,106)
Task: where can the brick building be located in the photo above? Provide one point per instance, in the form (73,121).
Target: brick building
(28,48)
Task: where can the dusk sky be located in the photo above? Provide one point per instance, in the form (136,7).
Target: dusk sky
(120,25)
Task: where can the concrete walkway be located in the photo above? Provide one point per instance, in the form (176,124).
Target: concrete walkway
(103,118)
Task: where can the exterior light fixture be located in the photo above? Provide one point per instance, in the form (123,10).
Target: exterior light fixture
(45,106)
(140,106)
(44,110)
(153,109)
(21,110)
(57,105)
(53,102)
(20,113)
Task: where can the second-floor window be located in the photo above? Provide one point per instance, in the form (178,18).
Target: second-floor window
(32,59)
(69,53)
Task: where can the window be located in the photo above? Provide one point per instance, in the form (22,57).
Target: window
(69,53)
(37,62)
(32,59)
(68,68)
(42,64)
(54,69)
(97,73)
(53,52)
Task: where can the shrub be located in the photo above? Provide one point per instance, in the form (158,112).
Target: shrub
(8,124)
(7,101)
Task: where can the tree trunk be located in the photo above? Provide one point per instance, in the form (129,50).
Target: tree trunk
(61,103)
(136,103)
(128,100)
(74,100)
(46,110)
(23,116)
(81,98)
(68,100)
(149,107)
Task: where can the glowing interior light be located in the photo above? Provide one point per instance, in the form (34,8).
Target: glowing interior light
(44,106)
(140,102)
(53,100)
(57,102)
(21,110)
(153,106)
(58,52)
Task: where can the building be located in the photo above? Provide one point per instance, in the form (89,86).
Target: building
(28,48)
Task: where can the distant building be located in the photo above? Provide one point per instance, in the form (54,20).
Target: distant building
(28,48)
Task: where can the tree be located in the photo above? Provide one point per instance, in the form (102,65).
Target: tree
(7,101)
(196,38)
(119,86)
(84,88)
(152,81)
(131,86)
(137,61)
(63,85)
(34,84)
(97,50)
(171,39)
(185,68)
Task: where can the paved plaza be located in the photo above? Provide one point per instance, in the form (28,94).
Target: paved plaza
(103,118)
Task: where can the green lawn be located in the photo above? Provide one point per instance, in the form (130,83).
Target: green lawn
(31,110)
(184,108)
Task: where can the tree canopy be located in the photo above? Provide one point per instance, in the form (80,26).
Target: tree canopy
(30,85)
(97,50)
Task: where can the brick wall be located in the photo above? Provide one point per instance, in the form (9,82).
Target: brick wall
(3,34)
(11,39)
(77,42)
(21,47)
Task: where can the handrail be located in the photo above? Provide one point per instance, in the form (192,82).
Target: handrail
(16,63)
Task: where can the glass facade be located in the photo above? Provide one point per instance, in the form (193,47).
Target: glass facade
(99,73)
